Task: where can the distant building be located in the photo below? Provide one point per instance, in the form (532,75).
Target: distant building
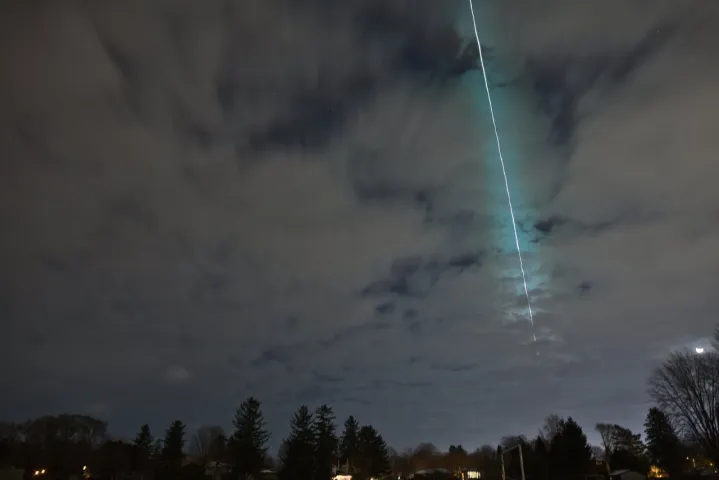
(268,474)
(470,474)
(432,474)
(217,470)
(656,472)
(191,460)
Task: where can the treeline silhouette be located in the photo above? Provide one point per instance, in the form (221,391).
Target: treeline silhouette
(64,445)
(681,437)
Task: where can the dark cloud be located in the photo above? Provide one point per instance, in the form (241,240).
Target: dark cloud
(274,354)
(314,119)
(301,200)
(386,308)
(410,313)
(415,276)
(465,261)
(560,83)
(454,367)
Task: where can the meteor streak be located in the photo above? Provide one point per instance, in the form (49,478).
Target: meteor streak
(504,172)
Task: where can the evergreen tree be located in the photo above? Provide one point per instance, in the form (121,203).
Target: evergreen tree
(663,445)
(512,464)
(326,442)
(298,450)
(540,455)
(372,453)
(173,449)
(143,448)
(625,439)
(456,458)
(143,440)
(628,450)
(249,441)
(569,452)
(156,451)
(349,443)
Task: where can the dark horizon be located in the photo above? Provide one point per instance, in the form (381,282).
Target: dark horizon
(301,201)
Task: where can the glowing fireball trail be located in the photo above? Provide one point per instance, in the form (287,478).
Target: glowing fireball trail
(504,172)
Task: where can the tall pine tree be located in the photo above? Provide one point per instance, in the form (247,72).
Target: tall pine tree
(663,445)
(298,449)
(326,442)
(372,453)
(349,443)
(628,451)
(173,450)
(248,444)
(143,449)
(539,465)
(625,439)
(569,452)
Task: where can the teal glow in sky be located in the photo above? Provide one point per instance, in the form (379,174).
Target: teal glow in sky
(501,162)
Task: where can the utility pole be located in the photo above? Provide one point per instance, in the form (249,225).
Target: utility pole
(521,459)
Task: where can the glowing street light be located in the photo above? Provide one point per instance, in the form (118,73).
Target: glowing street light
(699,350)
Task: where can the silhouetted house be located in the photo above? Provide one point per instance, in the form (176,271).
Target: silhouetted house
(597,467)
(657,472)
(432,474)
(626,475)
(470,474)
(192,460)
(218,470)
(268,474)
(123,475)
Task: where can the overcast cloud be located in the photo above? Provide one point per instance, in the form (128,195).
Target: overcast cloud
(300,200)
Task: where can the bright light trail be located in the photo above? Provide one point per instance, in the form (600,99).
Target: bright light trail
(504,172)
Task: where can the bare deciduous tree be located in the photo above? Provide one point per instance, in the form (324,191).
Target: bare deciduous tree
(509,441)
(203,439)
(552,425)
(607,433)
(686,387)
(426,455)
(597,453)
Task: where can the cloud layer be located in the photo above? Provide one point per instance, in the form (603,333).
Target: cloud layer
(300,200)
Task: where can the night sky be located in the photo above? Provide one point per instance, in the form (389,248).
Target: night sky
(301,200)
